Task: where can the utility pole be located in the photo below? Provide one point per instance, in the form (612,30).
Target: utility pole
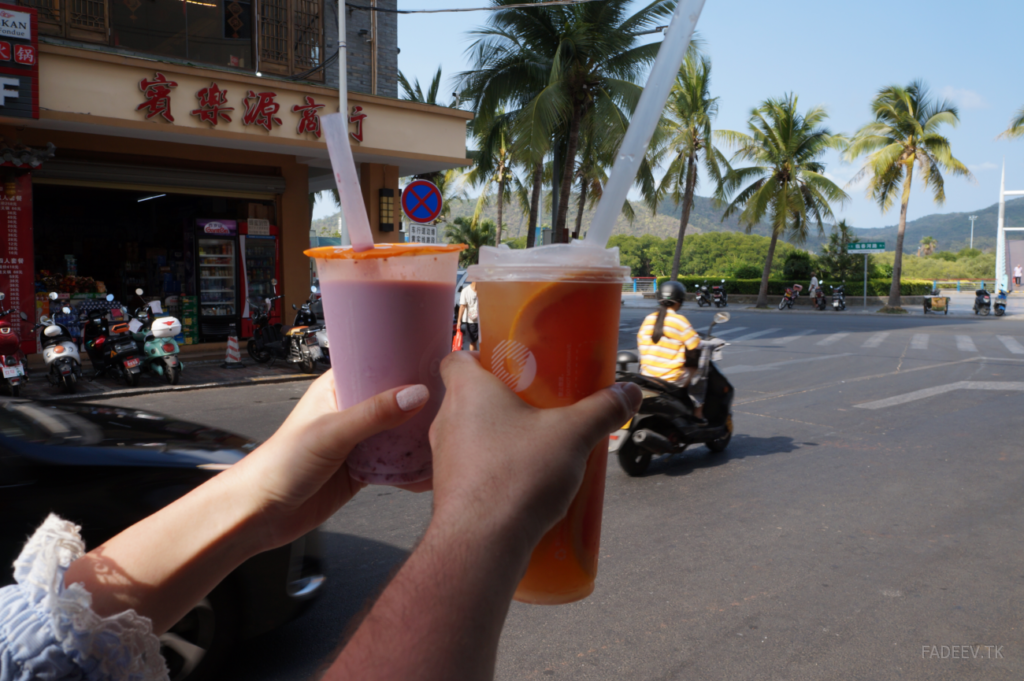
(972,218)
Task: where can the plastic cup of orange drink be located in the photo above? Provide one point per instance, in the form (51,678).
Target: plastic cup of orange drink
(389,316)
(549,324)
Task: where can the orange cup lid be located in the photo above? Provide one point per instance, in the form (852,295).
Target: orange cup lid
(382,251)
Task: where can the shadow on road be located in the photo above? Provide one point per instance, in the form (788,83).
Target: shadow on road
(356,569)
(741,447)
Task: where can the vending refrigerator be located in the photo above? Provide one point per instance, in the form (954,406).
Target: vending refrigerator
(260,257)
(217,280)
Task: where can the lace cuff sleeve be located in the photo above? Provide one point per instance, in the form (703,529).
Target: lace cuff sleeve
(49,631)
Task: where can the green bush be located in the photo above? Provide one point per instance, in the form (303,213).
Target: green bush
(797,266)
(747,272)
(776,287)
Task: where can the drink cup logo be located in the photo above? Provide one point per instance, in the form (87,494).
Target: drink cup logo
(514,365)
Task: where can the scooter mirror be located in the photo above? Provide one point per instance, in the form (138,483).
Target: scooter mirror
(138,291)
(110,297)
(314,289)
(53,295)
(2,296)
(722,317)
(294,307)
(66,310)
(24,317)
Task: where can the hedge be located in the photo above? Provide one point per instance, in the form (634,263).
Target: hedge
(776,287)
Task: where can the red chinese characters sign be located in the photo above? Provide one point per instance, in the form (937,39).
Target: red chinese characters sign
(19,62)
(157,93)
(212,105)
(260,109)
(310,121)
(17,260)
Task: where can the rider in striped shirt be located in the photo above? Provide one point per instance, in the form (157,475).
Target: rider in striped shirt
(669,344)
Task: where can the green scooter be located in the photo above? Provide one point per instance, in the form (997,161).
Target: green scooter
(155,337)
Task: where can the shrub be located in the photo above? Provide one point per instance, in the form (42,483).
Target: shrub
(797,266)
(747,272)
(776,287)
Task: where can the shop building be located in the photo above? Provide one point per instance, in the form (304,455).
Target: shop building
(186,143)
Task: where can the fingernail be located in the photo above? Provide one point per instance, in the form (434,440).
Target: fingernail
(630,395)
(413,397)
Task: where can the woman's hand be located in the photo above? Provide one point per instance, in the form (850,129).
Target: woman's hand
(298,478)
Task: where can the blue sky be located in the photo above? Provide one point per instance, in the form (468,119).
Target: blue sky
(835,54)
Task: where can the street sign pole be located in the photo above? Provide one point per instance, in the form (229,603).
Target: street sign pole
(865,248)
(865,280)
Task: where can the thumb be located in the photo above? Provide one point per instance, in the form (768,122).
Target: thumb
(606,410)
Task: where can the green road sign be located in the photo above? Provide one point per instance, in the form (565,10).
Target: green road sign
(866,247)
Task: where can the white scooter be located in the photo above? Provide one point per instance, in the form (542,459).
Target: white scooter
(63,363)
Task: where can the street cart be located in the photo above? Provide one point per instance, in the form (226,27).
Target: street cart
(936,303)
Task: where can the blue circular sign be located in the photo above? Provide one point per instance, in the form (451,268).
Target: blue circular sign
(421,201)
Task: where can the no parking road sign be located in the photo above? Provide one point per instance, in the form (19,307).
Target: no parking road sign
(421,201)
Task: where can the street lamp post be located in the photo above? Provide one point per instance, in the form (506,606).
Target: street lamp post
(972,218)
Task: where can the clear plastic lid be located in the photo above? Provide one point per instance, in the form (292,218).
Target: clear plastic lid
(557,262)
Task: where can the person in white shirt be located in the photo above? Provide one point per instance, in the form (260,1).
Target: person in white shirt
(814,285)
(469,316)
(1017,273)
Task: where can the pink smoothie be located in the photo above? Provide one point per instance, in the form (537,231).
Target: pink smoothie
(385,334)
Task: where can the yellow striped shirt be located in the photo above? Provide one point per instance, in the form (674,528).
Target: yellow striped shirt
(665,359)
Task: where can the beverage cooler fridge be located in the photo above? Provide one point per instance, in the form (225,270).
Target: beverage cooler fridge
(217,278)
(261,263)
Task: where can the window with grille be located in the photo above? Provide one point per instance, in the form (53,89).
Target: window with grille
(291,36)
(75,19)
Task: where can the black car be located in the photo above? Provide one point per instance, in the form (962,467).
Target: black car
(105,468)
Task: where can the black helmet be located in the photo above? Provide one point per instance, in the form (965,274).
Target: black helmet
(671,291)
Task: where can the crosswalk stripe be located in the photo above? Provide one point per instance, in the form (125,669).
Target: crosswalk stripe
(875,340)
(919,342)
(756,334)
(726,332)
(1011,344)
(789,339)
(965,344)
(829,340)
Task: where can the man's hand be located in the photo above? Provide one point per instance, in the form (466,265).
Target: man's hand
(504,465)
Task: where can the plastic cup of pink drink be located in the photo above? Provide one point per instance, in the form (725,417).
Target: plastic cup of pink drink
(389,313)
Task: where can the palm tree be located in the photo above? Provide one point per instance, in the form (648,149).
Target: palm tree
(464,231)
(494,165)
(928,246)
(414,93)
(903,135)
(1016,128)
(690,111)
(557,65)
(786,184)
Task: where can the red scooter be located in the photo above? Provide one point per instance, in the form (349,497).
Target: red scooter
(12,359)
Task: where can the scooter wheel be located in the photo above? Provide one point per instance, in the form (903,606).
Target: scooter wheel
(306,365)
(782,304)
(999,313)
(172,375)
(70,384)
(718,446)
(15,390)
(261,356)
(633,459)
(131,379)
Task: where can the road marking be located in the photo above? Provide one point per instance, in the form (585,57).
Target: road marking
(748,368)
(920,342)
(790,339)
(965,344)
(1017,386)
(829,340)
(875,340)
(756,334)
(1011,344)
(734,329)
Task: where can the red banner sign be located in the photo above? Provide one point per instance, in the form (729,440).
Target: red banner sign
(19,62)
(16,260)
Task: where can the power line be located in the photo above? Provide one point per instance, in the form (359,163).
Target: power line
(528,5)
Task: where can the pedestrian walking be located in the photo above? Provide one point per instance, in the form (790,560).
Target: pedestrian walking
(1017,273)
(814,285)
(469,316)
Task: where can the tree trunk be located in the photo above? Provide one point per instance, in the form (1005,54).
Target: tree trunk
(501,196)
(531,230)
(897,262)
(691,182)
(568,174)
(583,205)
(762,294)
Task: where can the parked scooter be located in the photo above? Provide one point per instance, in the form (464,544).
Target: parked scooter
(110,346)
(321,336)
(12,359)
(665,423)
(63,363)
(1000,303)
(297,344)
(790,296)
(155,336)
(839,297)
(819,299)
(719,295)
(703,295)
(982,301)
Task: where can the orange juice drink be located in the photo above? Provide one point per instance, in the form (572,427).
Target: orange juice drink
(549,330)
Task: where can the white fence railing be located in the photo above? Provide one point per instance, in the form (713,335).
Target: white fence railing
(639,285)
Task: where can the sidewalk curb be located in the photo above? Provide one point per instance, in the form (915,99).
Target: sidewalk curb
(129,392)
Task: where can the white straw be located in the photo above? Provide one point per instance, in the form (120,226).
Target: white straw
(349,191)
(645,120)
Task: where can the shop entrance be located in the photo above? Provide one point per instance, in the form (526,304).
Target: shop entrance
(90,241)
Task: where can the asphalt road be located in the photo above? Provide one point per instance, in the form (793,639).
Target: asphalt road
(865,521)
